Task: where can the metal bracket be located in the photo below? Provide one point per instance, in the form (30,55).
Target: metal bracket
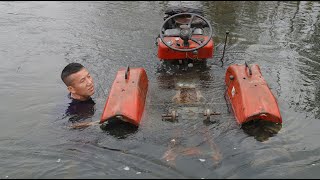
(208,113)
(171,116)
(250,72)
(127,72)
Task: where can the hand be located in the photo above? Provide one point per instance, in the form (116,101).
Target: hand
(82,125)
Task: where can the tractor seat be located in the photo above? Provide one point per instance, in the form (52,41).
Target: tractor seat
(176,32)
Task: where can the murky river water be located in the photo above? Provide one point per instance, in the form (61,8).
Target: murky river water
(37,39)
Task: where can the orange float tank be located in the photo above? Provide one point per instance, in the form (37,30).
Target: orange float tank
(127,96)
(250,95)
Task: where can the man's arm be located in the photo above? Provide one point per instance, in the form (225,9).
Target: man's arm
(82,125)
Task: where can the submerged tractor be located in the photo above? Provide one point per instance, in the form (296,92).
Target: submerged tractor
(185,36)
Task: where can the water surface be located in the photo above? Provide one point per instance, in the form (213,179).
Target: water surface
(37,39)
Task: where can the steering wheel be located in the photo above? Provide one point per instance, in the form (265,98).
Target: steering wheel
(186,32)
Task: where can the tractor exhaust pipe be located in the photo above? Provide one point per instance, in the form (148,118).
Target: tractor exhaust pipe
(224,48)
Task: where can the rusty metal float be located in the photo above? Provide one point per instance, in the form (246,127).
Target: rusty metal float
(126,100)
(249,94)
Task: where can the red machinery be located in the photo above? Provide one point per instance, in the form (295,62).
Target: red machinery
(127,96)
(250,95)
(185,35)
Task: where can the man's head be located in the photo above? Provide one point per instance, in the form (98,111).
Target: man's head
(78,81)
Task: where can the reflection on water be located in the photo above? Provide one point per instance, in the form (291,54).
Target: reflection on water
(170,75)
(261,130)
(118,128)
(171,67)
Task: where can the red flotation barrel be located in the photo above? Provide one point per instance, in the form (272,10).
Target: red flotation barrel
(250,95)
(127,96)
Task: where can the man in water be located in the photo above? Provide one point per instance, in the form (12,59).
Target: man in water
(81,87)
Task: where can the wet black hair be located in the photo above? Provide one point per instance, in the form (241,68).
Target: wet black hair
(68,70)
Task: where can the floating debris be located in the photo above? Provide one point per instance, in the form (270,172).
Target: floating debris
(58,160)
(202,160)
(138,173)
(126,168)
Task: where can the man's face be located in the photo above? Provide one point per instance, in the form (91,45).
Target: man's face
(81,83)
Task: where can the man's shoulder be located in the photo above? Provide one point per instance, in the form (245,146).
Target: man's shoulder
(80,110)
